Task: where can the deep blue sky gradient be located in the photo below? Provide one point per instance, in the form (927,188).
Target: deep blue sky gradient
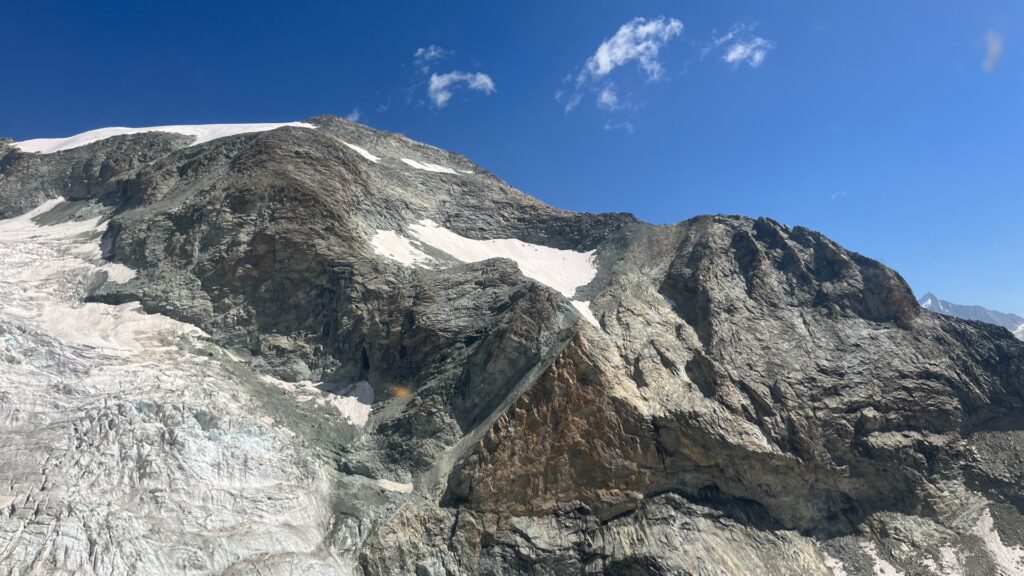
(871,121)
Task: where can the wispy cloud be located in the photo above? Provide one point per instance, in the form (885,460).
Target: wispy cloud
(742,46)
(354,115)
(751,51)
(717,41)
(442,85)
(425,57)
(607,98)
(624,126)
(993,51)
(638,41)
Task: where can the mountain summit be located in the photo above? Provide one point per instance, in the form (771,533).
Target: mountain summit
(1011,322)
(320,347)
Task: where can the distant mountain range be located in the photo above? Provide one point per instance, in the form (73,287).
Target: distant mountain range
(1011,322)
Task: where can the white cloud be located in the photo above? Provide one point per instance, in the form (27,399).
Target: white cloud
(573,101)
(638,40)
(717,41)
(744,46)
(425,57)
(441,85)
(354,115)
(752,51)
(993,51)
(607,98)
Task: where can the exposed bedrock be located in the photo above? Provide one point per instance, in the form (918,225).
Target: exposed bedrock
(553,392)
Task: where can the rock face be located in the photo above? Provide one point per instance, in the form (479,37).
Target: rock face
(438,374)
(1011,322)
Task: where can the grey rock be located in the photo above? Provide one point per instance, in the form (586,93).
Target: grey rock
(755,400)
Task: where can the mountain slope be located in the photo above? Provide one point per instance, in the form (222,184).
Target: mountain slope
(551,392)
(1011,322)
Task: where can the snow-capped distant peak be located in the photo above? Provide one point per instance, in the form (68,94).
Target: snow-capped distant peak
(1011,322)
(201,132)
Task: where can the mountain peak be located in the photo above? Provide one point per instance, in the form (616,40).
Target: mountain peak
(1011,322)
(412,365)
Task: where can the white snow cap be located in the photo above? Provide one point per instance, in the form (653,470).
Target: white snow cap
(202,132)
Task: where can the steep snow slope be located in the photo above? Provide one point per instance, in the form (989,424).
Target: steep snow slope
(131,445)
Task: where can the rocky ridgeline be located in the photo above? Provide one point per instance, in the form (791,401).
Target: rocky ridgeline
(551,392)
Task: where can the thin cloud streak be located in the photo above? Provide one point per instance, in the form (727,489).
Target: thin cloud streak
(993,51)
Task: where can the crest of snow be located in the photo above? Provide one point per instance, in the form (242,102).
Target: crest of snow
(355,404)
(583,306)
(429,167)
(362,152)
(562,270)
(390,244)
(405,488)
(1019,332)
(201,132)
(1009,559)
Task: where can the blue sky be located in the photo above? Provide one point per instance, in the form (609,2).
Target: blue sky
(897,128)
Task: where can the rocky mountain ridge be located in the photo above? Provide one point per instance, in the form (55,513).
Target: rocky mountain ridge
(477,383)
(1011,322)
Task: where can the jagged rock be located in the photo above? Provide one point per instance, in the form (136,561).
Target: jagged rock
(725,395)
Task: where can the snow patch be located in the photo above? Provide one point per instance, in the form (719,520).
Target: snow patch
(354,404)
(880,566)
(201,132)
(837,567)
(362,152)
(583,307)
(121,328)
(118,273)
(1008,558)
(429,167)
(390,244)
(562,270)
(405,488)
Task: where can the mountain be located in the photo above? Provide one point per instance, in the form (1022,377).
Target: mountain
(1011,322)
(322,348)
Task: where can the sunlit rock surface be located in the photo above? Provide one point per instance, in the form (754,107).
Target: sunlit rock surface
(330,350)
